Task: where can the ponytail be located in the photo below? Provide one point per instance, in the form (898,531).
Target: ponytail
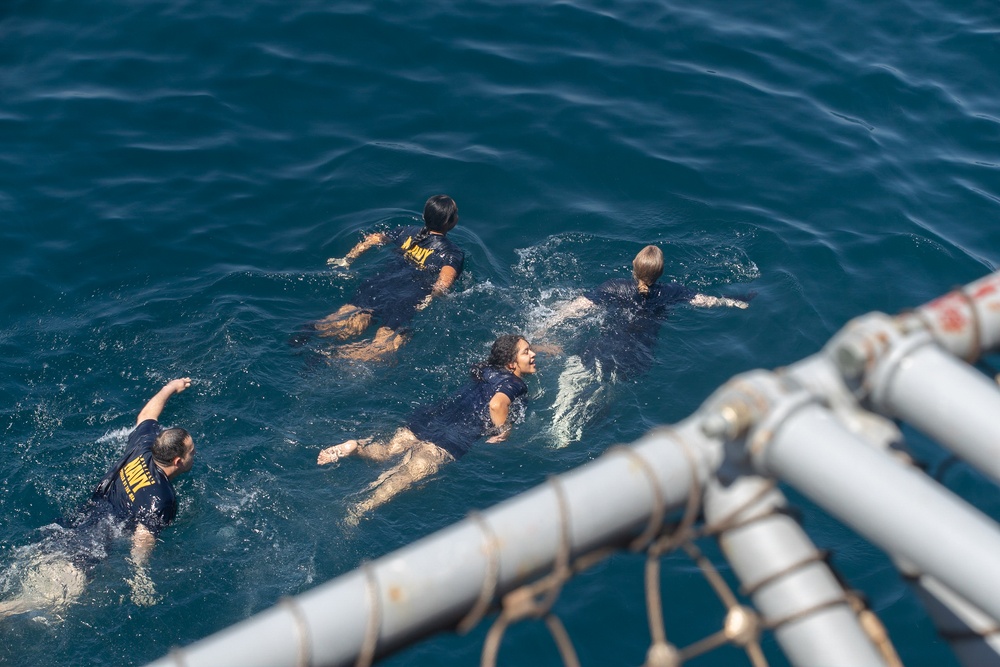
(422,234)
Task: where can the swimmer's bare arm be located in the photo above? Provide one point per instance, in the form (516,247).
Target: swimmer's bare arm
(143,542)
(499,411)
(569,310)
(142,587)
(444,282)
(705,301)
(369,241)
(155,405)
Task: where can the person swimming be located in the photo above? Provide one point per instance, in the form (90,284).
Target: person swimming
(634,310)
(424,265)
(135,499)
(445,431)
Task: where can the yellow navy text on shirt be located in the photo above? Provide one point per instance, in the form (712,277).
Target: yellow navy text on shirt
(134,476)
(415,253)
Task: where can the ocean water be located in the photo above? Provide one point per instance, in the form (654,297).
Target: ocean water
(174,174)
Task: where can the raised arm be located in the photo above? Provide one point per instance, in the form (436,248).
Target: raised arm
(499,411)
(155,405)
(705,301)
(369,241)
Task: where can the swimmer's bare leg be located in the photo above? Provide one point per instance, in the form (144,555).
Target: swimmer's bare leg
(419,463)
(385,342)
(391,471)
(349,321)
(400,442)
(50,584)
(15,606)
(336,452)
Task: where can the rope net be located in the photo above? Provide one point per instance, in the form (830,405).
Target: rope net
(742,626)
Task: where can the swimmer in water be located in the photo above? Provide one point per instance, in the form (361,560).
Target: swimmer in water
(634,310)
(445,431)
(135,498)
(424,265)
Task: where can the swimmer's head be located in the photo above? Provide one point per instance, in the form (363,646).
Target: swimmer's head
(504,353)
(440,214)
(524,359)
(504,350)
(174,448)
(647,267)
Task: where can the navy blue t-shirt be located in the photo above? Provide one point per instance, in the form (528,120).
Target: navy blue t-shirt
(631,324)
(408,276)
(139,492)
(458,421)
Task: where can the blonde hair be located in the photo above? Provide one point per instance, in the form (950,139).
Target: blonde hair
(647,267)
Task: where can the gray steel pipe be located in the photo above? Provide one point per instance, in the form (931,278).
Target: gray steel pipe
(787,577)
(894,506)
(966,322)
(944,398)
(432,584)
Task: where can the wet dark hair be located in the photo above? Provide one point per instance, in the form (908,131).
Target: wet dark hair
(169,445)
(503,352)
(440,214)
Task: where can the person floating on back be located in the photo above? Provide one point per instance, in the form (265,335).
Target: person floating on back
(134,499)
(445,431)
(424,265)
(634,312)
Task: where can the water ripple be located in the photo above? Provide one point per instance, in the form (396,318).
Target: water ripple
(175,175)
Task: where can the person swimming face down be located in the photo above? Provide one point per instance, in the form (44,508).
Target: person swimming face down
(393,297)
(440,214)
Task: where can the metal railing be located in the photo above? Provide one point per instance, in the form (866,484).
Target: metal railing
(824,426)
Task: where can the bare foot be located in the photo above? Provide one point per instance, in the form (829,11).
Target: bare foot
(385,342)
(348,322)
(363,351)
(335,453)
(353,517)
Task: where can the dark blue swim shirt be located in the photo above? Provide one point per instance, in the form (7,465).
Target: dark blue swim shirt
(461,419)
(631,324)
(137,490)
(406,278)
(133,491)
(85,538)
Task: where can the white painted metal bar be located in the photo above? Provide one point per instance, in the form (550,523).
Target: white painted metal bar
(966,322)
(430,585)
(787,576)
(944,398)
(894,506)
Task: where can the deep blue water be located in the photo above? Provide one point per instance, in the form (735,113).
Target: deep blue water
(174,174)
